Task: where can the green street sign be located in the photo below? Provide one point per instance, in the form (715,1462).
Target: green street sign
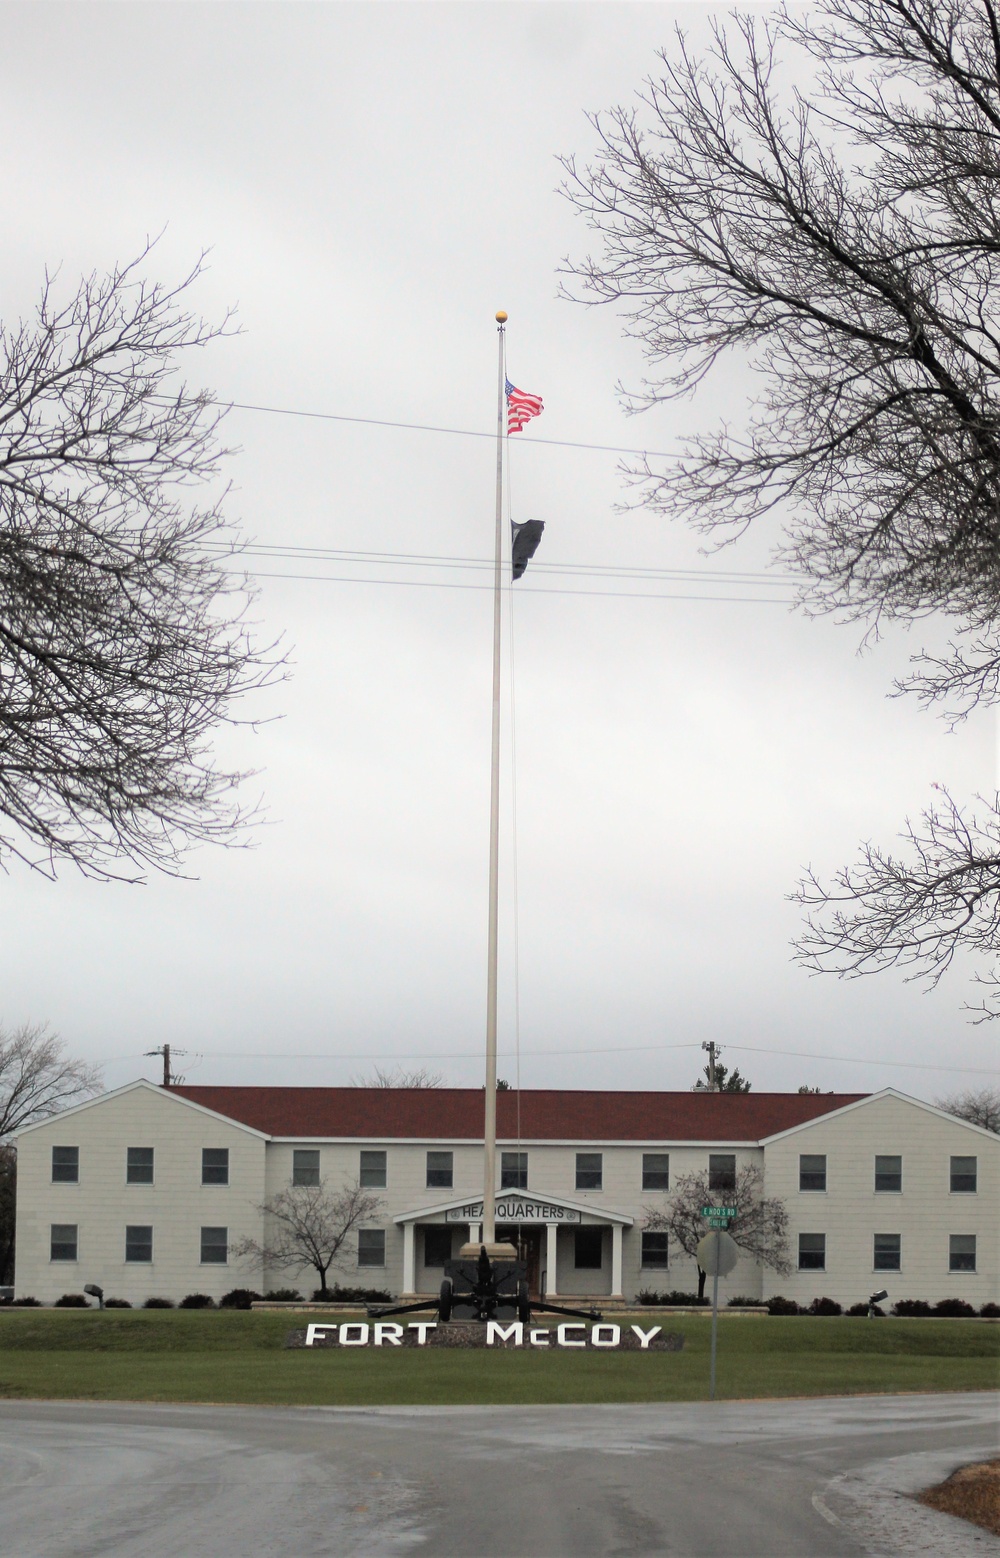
(717,1222)
(718,1211)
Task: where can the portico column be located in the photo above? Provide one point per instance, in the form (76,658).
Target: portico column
(475,1233)
(616,1260)
(551,1275)
(409,1260)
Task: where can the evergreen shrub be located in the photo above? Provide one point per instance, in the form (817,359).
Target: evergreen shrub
(953,1309)
(238,1298)
(825,1306)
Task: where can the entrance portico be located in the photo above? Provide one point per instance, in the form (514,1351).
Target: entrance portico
(519,1213)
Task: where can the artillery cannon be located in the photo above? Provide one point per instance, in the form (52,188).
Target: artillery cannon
(485,1287)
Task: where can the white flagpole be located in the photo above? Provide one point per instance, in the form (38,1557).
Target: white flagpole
(490,1132)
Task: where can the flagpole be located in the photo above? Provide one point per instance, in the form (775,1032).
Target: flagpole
(490,1132)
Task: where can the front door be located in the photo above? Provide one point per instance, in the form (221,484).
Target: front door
(528,1244)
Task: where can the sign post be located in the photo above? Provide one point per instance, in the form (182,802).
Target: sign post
(717,1254)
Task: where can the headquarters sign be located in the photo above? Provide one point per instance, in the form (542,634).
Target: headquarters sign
(515,1209)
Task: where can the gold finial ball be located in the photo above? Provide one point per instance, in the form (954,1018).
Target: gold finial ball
(501,317)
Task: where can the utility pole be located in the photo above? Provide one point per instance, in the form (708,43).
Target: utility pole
(712,1047)
(164,1050)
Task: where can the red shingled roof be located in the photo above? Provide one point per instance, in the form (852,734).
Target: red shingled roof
(456,1113)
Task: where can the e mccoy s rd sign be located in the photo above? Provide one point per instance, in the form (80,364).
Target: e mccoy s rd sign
(718,1216)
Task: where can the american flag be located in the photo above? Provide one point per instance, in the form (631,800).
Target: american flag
(521,407)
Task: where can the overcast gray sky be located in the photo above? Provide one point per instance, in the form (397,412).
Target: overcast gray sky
(374,181)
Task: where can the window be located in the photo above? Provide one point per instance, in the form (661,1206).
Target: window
(215,1246)
(812,1171)
(656,1171)
(138,1243)
(62,1245)
(589,1249)
(589,1170)
(440,1170)
(963,1176)
(437,1246)
(371,1246)
(305,1166)
(138,1165)
(372,1171)
(887,1252)
(722,1171)
(812,1251)
(888,1173)
(215,1165)
(962,1252)
(654,1251)
(66,1168)
(513,1171)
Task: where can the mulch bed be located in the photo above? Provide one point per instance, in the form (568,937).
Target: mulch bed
(471,1334)
(972,1493)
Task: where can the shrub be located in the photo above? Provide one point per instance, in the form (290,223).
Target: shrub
(238,1298)
(158,1303)
(953,1309)
(71,1301)
(284,1296)
(340,1295)
(825,1306)
(783,1306)
(117,1303)
(911,1306)
(742,1303)
(675,1297)
(29,1303)
(196,1301)
(857,1309)
(990,1311)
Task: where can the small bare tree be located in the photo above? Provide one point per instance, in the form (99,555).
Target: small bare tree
(980,1106)
(306,1225)
(36,1077)
(814,196)
(123,632)
(380,1076)
(760,1226)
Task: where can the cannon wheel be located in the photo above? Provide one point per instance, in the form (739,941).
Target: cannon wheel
(523,1302)
(445,1300)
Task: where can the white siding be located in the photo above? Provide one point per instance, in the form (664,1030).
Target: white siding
(102,1204)
(850,1211)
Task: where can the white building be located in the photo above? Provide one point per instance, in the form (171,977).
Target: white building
(145,1190)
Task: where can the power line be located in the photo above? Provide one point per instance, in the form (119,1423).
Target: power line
(616,1049)
(452,560)
(426,427)
(447,584)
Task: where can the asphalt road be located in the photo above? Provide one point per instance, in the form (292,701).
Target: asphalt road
(729,1480)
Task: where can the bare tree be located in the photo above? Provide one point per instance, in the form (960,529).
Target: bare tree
(980,1106)
(380,1076)
(37,1079)
(760,1226)
(306,1225)
(124,638)
(818,197)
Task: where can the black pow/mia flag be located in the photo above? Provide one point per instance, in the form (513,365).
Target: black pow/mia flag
(524,544)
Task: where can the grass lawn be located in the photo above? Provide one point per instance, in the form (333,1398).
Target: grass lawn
(193,1355)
